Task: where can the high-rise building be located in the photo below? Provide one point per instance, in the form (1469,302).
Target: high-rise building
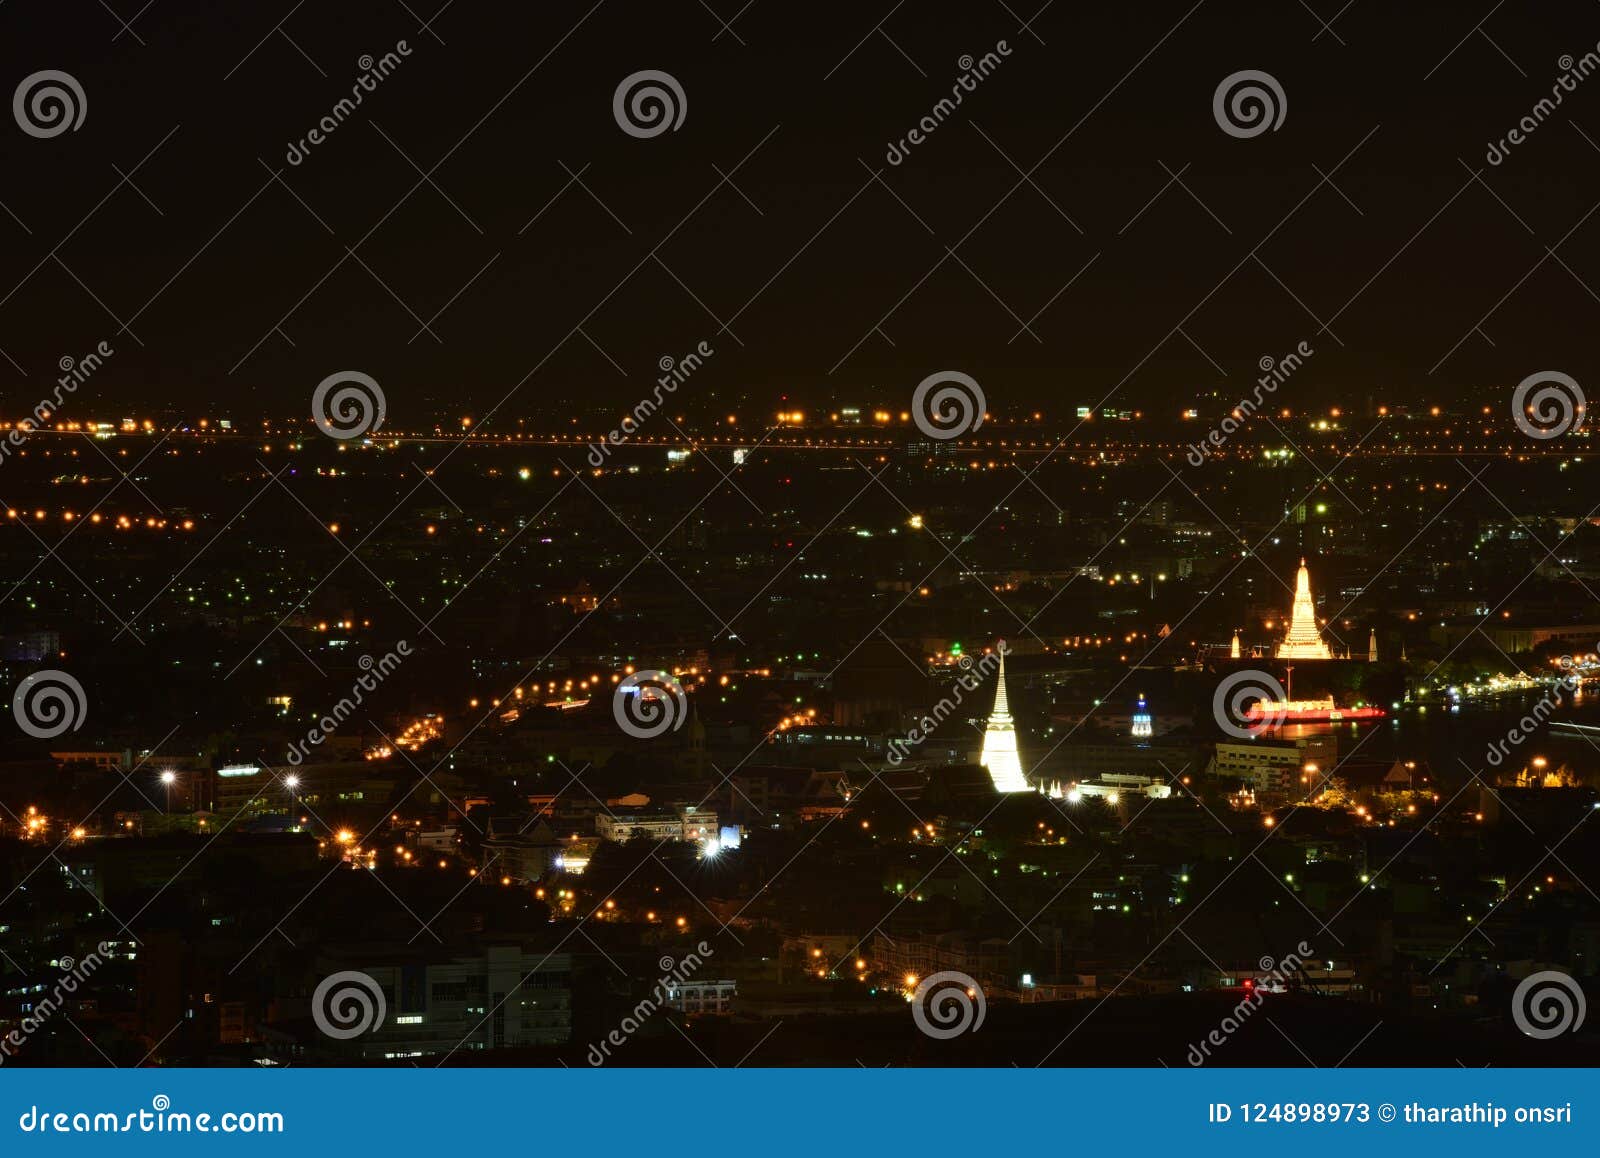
(1000,741)
(1304,641)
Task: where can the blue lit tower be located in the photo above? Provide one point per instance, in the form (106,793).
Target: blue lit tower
(1142,729)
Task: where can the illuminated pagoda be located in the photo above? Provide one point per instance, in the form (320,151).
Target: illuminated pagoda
(1233,652)
(1000,740)
(1304,641)
(1372,646)
(1142,723)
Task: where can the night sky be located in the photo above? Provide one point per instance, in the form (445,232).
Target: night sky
(798,104)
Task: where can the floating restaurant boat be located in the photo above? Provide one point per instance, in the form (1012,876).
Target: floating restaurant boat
(1309,711)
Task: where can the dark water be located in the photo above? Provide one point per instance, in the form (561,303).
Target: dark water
(1446,737)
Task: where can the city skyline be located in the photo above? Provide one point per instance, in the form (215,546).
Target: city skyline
(713,536)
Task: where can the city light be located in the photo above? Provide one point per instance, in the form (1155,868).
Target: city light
(566,587)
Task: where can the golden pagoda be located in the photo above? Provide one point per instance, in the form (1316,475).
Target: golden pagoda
(1304,641)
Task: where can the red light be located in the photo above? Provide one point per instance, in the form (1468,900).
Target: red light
(1249,983)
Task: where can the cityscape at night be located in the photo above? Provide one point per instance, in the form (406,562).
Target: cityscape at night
(697,536)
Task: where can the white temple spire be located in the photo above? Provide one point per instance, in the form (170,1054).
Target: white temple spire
(1000,738)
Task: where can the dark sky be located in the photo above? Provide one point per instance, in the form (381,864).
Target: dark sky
(805,268)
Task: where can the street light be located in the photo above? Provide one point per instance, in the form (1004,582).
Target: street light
(168,779)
